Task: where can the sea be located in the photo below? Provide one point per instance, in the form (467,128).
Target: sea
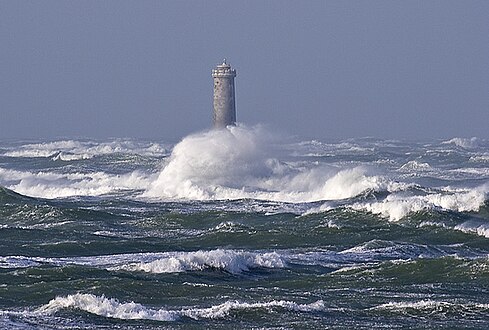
(242,228)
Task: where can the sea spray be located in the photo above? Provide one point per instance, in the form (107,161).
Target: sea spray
(204,163)
(237,163)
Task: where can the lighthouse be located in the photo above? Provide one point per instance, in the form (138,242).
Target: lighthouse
(224,99)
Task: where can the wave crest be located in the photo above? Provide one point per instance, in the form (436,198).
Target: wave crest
(107,307)
(228,260)
(112,308)
(466,143)
(434,308)
(397,206)
(69,150)
(238,163)
(56,185)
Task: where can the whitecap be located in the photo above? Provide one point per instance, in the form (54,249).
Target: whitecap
(397,206)
(238,163)
(483,158)
(18,262)
(57,185)
(229,260)
(480,228)
(414,165)
(70,150)
(112,308)
(222,310)
(432,307)
(463,142)
(107,307)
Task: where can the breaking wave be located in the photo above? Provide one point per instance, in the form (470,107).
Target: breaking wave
(251,163)
(478,227)
(237,163)
(467,143)
(228,260)
(56,185)
(415,166)
(397,206)
(232,261)
(69,150)
(435,308)
(107,307)
(112,308)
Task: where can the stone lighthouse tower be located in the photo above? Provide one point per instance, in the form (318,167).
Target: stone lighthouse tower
(224,100)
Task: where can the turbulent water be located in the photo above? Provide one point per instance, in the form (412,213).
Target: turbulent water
(240,228)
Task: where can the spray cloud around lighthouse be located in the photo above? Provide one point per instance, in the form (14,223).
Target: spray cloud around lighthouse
(239,162)
(235,162)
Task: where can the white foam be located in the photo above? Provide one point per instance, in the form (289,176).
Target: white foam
(430,306)
(325,207)
(354,268)
(233,261)
(112,308)
(238,163)
(67,157)
(467,143)
(222,310)
(396,252)
(483,158)
(422,304)
(69,150)
(468,172)
(414,165)
(56,185)
(201,164)
(397,206)
(17,262)
(477,227)
(228,260)
(107,307)
(42,149)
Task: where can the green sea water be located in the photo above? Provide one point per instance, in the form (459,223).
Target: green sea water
(401,243)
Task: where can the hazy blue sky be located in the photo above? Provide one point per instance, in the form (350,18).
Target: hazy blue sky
(317,69)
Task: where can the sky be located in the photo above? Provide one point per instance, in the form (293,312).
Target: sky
(325,70)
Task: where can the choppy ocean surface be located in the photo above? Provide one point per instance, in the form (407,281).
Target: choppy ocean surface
(241,229)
